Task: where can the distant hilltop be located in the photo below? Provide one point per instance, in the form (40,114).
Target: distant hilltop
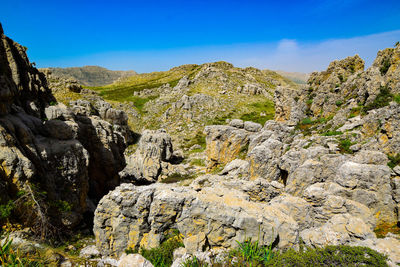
(297,77)
(92,75)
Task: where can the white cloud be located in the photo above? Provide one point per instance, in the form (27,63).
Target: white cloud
(287,54)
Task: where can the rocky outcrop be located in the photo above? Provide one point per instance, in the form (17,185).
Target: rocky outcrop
(288,108)
(225,143)
(154,151)
(216,213)
(66,158)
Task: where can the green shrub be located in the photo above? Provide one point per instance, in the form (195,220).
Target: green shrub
(163,255)
(329,256)
(339,103)
(306,121)
(309,101)
(382,99)
(344,146)
(62,205)
(385,66)
(53,103)
(393,160)
(396,98)
(6,209)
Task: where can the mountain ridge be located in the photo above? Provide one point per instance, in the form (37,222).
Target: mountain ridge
(90,75)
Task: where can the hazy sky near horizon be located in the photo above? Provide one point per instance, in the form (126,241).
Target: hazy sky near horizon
(156,35)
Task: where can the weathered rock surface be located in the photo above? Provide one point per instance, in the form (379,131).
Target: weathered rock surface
(153,152)
(75,158)
(216,213)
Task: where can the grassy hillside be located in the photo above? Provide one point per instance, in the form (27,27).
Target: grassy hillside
(184,99)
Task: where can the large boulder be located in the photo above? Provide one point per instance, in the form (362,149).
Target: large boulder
(222,215)
(146,164)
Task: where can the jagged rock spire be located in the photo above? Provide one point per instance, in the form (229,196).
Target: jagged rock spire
(1,29)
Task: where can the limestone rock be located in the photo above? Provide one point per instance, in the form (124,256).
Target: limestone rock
(133,260)
(145,165)
(224,144)
(89,252)
(218,213)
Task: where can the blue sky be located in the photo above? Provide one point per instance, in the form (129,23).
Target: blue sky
(157,35)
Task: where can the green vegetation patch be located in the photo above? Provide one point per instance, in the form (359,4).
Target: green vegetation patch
(385,66)
(382,99)
(329,256)
(123,90)
(383,229)
(344,146)
(396,98)
(393,160)
(161,256)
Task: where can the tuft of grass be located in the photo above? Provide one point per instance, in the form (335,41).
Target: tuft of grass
(14,258)
(393,160)
(198,139)
(194,262)
(139,102)
(344,146)
(339,103)
(198,162)
(256,117)
(252,254)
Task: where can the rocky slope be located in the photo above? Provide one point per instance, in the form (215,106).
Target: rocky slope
(91,75)
(186,98)
(56,162)
(324,172)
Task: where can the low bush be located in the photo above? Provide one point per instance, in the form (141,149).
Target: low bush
(382,99)
(385,66)
(344,146)
(162,256)
(329,256)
